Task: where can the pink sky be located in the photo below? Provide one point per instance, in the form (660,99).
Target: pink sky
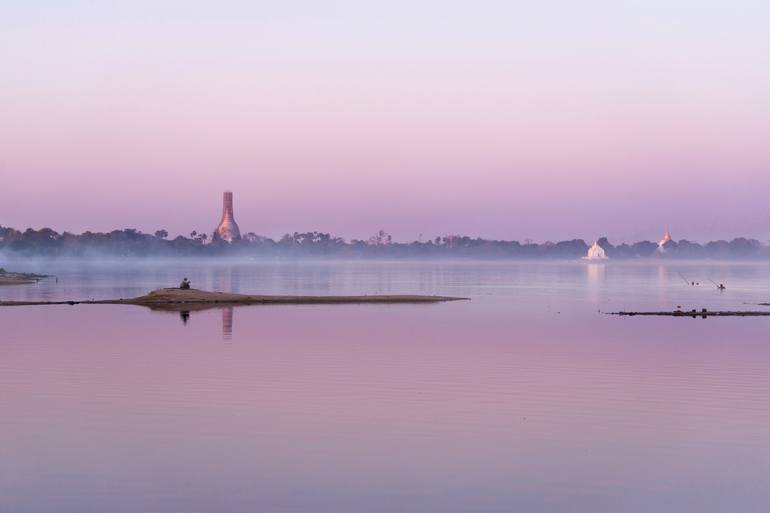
(497,120)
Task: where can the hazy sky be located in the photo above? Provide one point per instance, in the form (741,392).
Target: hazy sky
(543,120)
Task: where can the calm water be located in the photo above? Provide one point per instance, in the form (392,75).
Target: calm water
(524,399)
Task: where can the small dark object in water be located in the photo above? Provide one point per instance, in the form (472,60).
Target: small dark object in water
(185,285)
(720,286)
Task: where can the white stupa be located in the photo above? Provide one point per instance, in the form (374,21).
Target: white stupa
(595,252)
(662,243)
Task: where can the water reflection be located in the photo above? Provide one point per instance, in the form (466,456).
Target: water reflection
(424,414)
(595,277)
(227,323)
(523,399)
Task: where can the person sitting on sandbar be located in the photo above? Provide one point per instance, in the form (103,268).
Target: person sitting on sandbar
(185,285)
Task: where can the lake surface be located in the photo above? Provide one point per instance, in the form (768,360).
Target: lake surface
(525,398)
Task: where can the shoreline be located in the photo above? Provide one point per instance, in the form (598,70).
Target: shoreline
(9,278)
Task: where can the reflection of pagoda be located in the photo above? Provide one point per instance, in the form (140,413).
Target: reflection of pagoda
(662,244)
(227,323)
(595,252)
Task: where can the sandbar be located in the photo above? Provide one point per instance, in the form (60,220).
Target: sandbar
(703,313)
(175,298)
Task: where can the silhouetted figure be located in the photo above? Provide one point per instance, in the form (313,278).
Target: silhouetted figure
(184,315)
(185,285)
(721,286)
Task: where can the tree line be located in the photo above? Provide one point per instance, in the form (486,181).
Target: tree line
(131,242)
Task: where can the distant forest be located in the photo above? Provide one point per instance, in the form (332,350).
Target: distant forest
(133,243)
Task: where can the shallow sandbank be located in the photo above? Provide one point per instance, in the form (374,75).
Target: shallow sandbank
(178,298)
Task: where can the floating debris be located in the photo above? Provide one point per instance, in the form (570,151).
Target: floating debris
(719,286)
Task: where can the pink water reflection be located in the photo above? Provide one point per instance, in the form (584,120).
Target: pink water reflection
(359,408)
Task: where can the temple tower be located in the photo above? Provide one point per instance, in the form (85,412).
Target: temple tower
(595,252)
(228,228)
(662,243)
